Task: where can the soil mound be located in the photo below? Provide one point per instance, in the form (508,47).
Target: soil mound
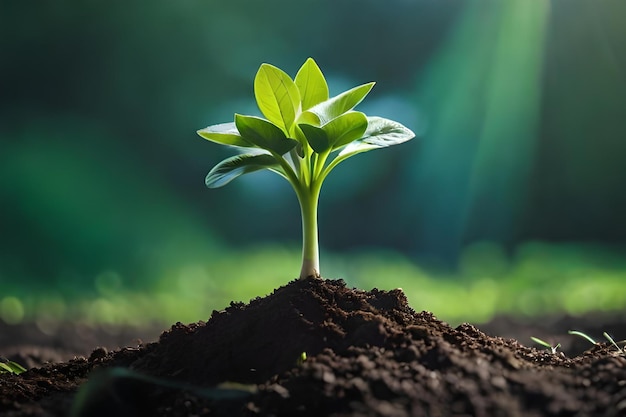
(318,348)
(250,343)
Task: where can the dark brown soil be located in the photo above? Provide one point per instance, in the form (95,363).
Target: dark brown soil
(367,354)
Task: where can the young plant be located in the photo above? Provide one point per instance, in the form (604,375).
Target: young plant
(613,342)
(543,343)
(7,366)
(305,134)
(583,335)
(606,336)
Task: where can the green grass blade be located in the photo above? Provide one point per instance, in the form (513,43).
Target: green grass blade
(541,342)
(583,335)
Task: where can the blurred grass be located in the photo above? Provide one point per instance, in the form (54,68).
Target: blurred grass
(537,279)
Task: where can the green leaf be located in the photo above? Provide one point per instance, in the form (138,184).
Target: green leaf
(277,96)
(541,342)
(224,134)
(311,84)
(316,137)
(346,128)
(384,132)
(11,367)
(235,166)
(305,118)
(264,134)
(338,105)
(380,133)
(17,368)
(583,335)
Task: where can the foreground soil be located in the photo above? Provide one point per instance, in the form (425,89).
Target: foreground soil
(318,348)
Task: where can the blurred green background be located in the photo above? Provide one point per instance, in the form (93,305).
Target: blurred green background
(511,200)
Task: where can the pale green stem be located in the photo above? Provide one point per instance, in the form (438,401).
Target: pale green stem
(289,174)
(308,196)
(319,166)
(326,170)
(306,166)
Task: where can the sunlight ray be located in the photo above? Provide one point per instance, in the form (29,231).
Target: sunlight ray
(483,92)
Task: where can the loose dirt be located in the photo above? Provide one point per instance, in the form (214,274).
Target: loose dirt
(318,348)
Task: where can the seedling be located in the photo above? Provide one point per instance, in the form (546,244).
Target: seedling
(606,336)
(7,366)
(583,335)
(553,349)
(303,137)
(610,339)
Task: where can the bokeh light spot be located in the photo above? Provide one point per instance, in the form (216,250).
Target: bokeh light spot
(11,310)
(108,282)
